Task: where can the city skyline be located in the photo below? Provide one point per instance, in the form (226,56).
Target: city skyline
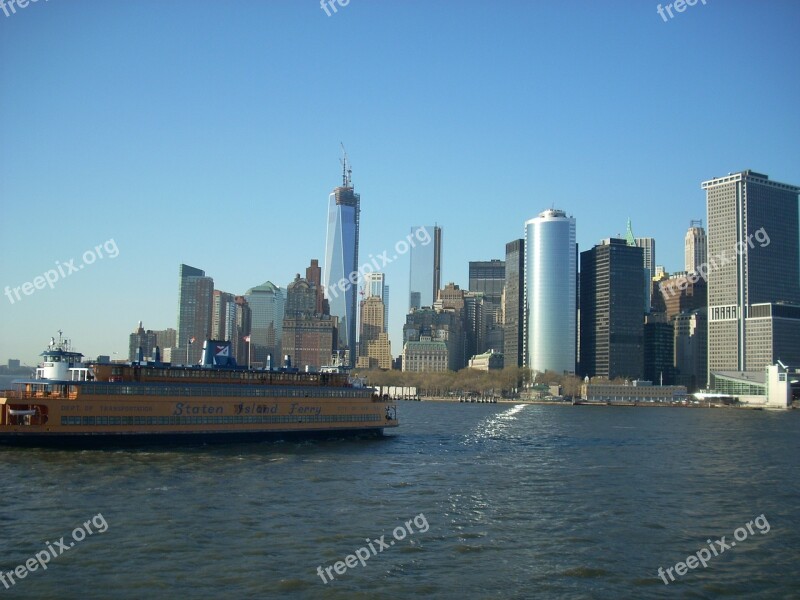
(114,152)
(371,283)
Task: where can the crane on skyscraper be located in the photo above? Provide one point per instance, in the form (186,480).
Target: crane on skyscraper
(347,172)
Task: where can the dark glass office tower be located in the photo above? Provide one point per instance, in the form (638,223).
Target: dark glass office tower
(426,267)
(612,310)
(513,345)
(489,277)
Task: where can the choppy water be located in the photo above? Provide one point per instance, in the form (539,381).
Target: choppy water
(521,502)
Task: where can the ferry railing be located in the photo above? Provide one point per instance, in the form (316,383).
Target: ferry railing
(39,395)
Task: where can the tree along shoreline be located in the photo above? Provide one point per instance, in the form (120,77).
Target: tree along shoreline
(511,382)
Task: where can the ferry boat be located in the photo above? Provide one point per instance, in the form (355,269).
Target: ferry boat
(72,403)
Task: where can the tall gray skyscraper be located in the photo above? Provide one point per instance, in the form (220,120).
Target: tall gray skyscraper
(753,272)
(514,308)
(340,274)
(195,305)
(551,266)
(426,268)
(695,247)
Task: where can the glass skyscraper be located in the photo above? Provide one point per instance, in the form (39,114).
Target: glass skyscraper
(514,310)
(195,306)
(489,277)
(340,274)
(267,303)
(551,270)
(426,268)
(612,310)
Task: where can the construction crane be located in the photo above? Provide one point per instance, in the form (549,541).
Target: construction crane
(347,172)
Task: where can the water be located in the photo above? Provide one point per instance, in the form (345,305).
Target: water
(520,502)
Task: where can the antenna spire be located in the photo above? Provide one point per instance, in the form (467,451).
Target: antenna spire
(347,172)
(629,235)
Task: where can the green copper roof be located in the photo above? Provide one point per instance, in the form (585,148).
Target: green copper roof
(267,287)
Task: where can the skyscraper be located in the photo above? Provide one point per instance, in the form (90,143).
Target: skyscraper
(612,310)
(307,335)
(426,269)
(374,348)
(695,248)
(301,298)
(682,293)
(375,285)
(166,338)
(444,325)
(195,294)
(372,321)
(659,350)
(314,277)
(691,348)
(267,304)
(141,340)
(753,270)
(340,275)
(243,321)
(648,245)
(550,291)
(513,310)
(223,316)
(489,277)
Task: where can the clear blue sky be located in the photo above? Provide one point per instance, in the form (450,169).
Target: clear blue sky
(208,132)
